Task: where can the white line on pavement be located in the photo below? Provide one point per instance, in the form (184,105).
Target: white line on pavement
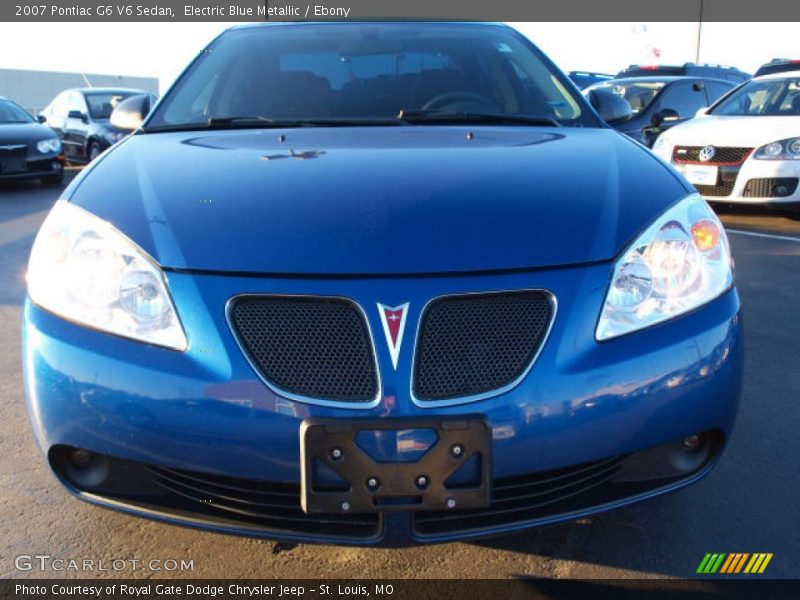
(785,238)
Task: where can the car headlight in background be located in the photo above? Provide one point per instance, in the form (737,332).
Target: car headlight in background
(780,150)
(680,262)
(84,270)
(49,146)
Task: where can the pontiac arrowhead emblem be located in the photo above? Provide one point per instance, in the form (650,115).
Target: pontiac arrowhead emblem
(393,319)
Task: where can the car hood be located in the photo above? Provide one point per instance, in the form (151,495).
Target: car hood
(745,132)
(24,133)
(378,200)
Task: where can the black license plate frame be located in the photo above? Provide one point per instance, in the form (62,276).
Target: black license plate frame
(398,481)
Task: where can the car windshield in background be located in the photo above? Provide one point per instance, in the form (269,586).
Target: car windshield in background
(766,98)
(367,74)
(639,94)
(101,105)
(11,113)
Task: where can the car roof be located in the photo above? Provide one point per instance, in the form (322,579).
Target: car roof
(665,79)
(779,75)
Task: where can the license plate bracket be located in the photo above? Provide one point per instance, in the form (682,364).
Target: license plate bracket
(701,174)
(399,487)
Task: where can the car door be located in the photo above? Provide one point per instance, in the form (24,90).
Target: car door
(56,115)
(77,127)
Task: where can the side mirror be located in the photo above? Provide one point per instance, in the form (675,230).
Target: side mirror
(41,118)
(76,114)
(129,114)
(610,106)
(664,115)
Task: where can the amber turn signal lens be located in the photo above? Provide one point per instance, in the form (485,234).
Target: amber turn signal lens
(705,234)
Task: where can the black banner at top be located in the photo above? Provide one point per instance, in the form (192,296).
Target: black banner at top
(474,10)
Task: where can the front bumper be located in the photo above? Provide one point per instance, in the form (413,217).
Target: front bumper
(763,182)
(202,422)
(47,166)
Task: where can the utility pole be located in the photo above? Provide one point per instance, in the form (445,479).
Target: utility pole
(699,34)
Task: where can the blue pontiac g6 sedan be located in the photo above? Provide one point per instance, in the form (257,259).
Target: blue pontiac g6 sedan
(378,283)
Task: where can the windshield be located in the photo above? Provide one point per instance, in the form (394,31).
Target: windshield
(11,113)
(101,105)
(362,72)
(639,94)
(766,98)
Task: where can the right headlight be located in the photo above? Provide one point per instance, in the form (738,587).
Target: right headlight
(84,270)
(680,262)
(781,150)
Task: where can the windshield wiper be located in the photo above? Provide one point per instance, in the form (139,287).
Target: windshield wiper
(455,116)
(267,123)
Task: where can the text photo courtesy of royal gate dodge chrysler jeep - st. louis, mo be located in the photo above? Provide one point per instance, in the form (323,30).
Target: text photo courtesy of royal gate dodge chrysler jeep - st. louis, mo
(372,296)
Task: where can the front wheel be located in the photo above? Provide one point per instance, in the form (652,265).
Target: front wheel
(94,151)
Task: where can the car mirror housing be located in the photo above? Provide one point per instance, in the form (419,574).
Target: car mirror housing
(76,114)
(41,118)
(611,107)
(129,114)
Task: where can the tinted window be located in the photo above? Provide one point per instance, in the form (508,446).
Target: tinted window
(11,113)
(715,90)
(367,71)
(683,97)
(771,97)
(102,104)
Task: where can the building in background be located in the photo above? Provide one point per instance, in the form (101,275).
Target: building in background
(35,89)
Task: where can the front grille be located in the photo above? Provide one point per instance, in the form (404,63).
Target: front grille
(13,159)
(779,187)
(317,348)
(265,504)
(529,497)
(691,154)
(472,344)
(720,190)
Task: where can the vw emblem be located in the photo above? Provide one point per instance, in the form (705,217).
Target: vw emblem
(707,153)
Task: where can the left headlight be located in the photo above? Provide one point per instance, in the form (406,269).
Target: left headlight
(780,150)
(48,146)
(680,262)
(84,270)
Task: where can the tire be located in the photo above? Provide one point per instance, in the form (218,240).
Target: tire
(93,151)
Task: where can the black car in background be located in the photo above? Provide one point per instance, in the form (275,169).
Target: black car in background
(778,65)
(583,79)
(703,70)
(81,119)
(659,103)
(28,149)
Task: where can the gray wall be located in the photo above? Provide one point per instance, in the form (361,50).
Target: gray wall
(35,89)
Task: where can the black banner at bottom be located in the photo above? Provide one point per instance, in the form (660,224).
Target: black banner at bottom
(418,589)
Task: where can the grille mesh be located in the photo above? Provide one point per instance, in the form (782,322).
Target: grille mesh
(720,190)
(683,154)
(313,347)
(473,344)
(770,188)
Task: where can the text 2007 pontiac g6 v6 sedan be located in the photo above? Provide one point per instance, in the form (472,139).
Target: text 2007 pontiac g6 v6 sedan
(378,284)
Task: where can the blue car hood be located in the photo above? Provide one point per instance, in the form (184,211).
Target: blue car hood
(378,200)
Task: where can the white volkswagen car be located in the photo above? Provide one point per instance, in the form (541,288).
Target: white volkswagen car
(746,147)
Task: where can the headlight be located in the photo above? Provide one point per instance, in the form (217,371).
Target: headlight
(84,270)
(48,146)
(679,263)
(780,150)
(663,147)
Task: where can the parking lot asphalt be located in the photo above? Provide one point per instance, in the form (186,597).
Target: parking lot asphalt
(747,504)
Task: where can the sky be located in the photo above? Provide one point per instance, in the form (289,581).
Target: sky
(163,49)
